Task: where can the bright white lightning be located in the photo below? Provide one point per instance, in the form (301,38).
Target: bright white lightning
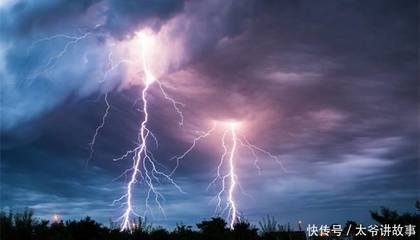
(144,165)
(232,175)
(229,179)
(140,154)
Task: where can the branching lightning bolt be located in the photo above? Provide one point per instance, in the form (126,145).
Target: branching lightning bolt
(228,179)
(178,158)
(144,164)
(111,67)
(231,175)
(254,149)
(175,103)
(53,60)
(114,65)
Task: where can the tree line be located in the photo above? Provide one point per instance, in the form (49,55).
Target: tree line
(24,226)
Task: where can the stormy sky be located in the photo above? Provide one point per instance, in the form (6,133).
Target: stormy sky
(330,88)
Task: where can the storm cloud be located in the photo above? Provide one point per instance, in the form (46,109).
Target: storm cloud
(331,89)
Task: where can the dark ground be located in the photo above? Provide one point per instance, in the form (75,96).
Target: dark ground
(24,226)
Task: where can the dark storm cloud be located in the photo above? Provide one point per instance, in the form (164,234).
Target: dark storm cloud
(121,17)
(330,88)
(206,23)
(125,17)
(25,17)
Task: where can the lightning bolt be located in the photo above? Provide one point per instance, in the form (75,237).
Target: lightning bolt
(231,175)
(176,105)
(114,65)
(111,67)
(98,129)
(254,149)
(52,61)
(144,164)
(178,158)
(228,179)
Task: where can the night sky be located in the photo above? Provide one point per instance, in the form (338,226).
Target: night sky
(330,88)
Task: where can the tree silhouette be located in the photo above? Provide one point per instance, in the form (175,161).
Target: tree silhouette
(6,225)
(24,223)
(184,232)
(243,230)
(269,225)
(41,230)
(215,229)
(86,228)
(158,234)
(388,216)
(58,230)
